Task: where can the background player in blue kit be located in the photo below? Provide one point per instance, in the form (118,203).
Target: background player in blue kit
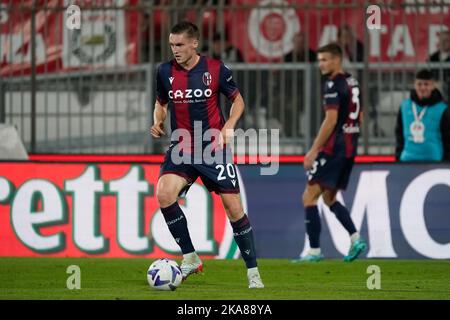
(189,86)
(330,160)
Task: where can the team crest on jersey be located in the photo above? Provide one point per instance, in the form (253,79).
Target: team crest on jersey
(207,79)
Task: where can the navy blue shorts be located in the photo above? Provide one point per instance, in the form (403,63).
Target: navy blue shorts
(331,172)
(220,176)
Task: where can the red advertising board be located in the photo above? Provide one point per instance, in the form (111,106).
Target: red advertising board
(101,210)
(261,29)
(106,37)
(408,33)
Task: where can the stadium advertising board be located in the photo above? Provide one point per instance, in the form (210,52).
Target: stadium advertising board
(110,210)
(407,32)
(107,37)
(263,32)
(401,209)
(104,210)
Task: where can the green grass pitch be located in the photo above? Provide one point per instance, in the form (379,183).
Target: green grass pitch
(45,278)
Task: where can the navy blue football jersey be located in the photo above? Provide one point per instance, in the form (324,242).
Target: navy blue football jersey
(343,94)
(193,95)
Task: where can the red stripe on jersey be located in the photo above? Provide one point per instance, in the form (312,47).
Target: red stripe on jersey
(215,118)
(329,145)
(180,108)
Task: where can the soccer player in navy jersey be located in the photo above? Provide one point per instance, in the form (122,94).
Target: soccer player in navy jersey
(189,87)
(330,160)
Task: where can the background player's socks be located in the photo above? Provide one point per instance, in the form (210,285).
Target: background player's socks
(243,235)
(313,227)
(343,216)
(177,223)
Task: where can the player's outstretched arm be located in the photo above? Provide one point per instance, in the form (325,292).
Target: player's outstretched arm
(159,115)
(327,127)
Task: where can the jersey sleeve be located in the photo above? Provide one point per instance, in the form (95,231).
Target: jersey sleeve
(227,86)
(331,95)
(161,92)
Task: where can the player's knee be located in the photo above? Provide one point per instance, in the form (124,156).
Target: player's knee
(329,197)
(307,199)
(328,200)
(165,197)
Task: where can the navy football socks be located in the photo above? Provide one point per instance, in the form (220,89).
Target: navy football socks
(313,227)
(243,235)
(343,216)
(177,223)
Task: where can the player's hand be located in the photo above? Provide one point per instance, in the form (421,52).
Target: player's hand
(157,130)
(226,134)
(310,157)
